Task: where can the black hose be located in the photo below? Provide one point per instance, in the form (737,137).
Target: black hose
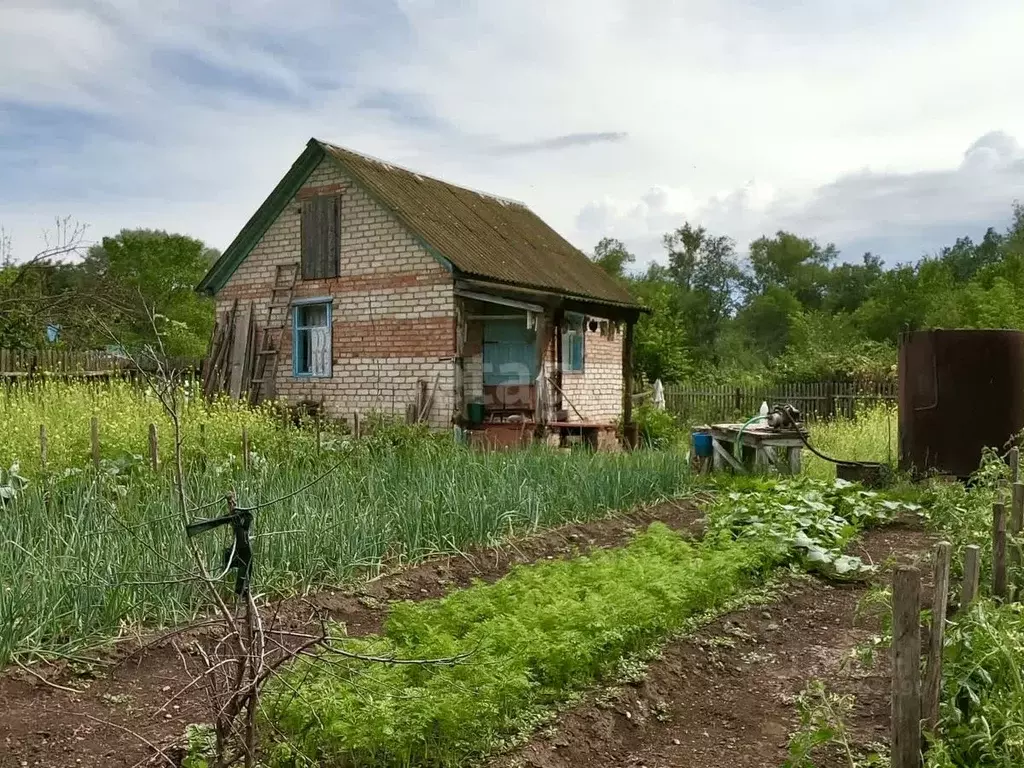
(786,411)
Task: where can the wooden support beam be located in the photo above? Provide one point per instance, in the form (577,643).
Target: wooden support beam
(559,329)
(628,426)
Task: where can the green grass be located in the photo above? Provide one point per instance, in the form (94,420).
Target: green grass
(125,412)
(870,436)
(87,555)
(534,638)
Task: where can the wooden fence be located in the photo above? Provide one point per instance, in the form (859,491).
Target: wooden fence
(24,364)
(916,696)
(815,400)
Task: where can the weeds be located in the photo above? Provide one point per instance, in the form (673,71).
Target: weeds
(824,724)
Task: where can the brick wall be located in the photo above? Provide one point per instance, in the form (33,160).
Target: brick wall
(393,308)
(597,390)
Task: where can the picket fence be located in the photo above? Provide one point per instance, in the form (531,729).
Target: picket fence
(815,400)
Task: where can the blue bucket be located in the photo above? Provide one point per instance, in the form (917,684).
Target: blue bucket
(702,444)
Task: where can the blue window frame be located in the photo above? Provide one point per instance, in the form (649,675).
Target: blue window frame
(311,338)
(573,342)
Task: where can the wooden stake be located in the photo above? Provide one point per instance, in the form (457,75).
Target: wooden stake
(356,432)
(154,449)
(906,668)
(43,447)
(999,551)
(1016,524)
(245,448)
(94,429)
(316,426)
(933,670)
(1014,461)
(972,575)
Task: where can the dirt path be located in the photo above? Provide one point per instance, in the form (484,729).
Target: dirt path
(724,697)
(43,726)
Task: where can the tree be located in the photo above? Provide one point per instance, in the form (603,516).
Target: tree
(797,264)
(707,277)
(613,257)
(143,268)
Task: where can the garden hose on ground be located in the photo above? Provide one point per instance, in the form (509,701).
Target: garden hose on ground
(786,413)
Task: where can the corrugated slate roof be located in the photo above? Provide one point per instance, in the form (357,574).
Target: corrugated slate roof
(481,235)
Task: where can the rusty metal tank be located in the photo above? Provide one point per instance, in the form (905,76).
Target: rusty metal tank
(959,391)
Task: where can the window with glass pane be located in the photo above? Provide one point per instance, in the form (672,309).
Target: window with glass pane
(312,339)
(573,346)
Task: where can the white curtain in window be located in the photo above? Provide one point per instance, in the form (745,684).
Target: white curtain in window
(320,351)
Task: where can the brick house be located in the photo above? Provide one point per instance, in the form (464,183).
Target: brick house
(380,289)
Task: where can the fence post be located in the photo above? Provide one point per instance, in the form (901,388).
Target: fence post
(94,431)
(43,447)
(245,448)
(1016,524)
(154,448)
(738,402)
(906,668)
(356,432)
(972,575)
(999,550)
(1013,459)
(316,428)
(933,670)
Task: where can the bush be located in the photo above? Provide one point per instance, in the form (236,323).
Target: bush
(658,428)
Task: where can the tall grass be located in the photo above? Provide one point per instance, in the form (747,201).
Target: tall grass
(125,412)
(89,554)
(870,436)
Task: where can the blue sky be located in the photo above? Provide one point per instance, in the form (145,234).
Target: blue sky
(876,125)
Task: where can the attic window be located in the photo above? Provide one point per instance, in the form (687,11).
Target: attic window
(321,237)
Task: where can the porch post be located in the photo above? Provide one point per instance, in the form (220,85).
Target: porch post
(559,323)
(628,427)
(459,406)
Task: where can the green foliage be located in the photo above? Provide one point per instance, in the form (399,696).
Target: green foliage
(793,311)
(533,639)
(807,521)
(658,428)
(982,711)
(612,256)
(152,277)
(871,436)
(825,722)
(89,554)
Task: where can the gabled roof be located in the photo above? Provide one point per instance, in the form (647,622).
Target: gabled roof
(476,234)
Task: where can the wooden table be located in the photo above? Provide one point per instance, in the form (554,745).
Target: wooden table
(763,447)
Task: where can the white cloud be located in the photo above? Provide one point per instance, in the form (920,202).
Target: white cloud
(888,212)
(706,95)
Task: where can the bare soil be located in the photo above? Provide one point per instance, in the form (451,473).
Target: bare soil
(724,697)
(127,711)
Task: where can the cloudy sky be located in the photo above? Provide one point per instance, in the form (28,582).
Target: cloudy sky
(885,125)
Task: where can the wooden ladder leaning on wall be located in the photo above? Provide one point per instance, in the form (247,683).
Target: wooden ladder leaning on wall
(265,368)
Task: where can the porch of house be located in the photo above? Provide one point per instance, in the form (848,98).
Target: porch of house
(519,355)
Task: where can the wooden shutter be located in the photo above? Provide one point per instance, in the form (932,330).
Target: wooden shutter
(321,237)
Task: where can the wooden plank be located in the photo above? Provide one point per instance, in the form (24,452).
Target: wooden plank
(972,575)
(906,669)
(933,670)
(727,457)
(239,345)
(999,551)
(44,451)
